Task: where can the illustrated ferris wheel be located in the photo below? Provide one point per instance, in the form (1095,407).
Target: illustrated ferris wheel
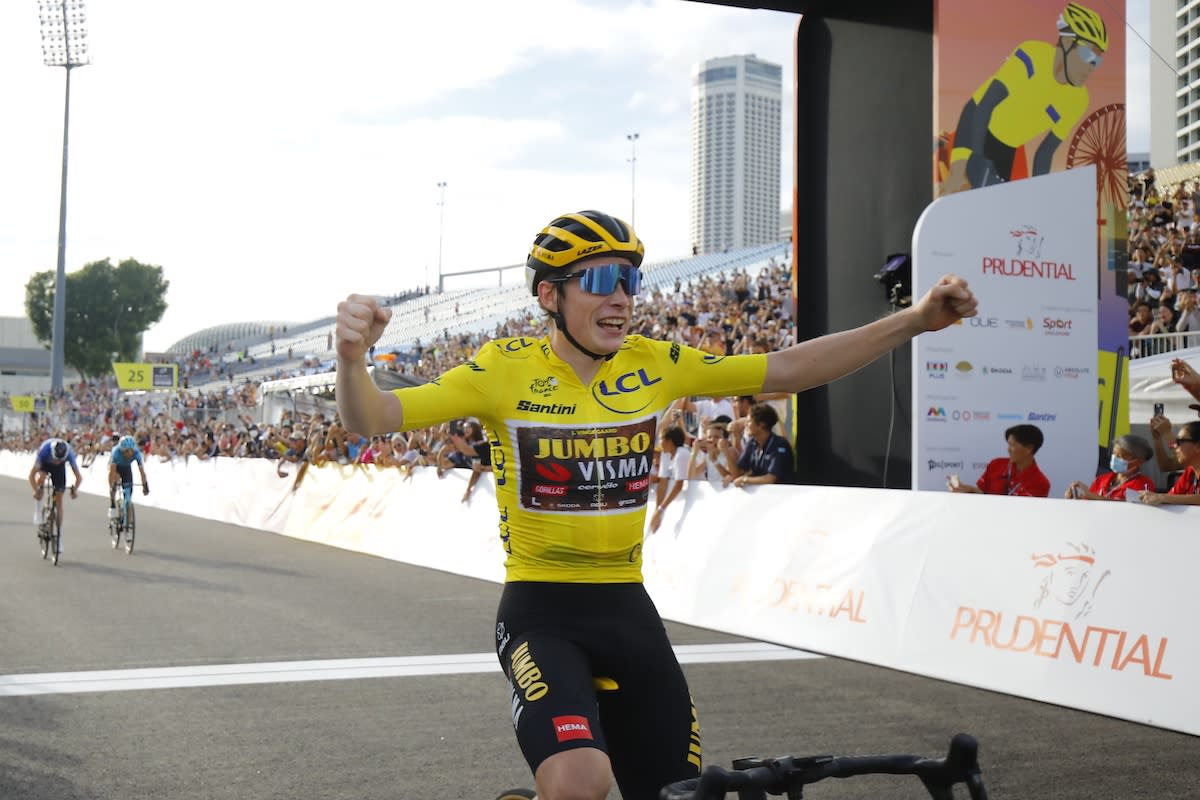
(1100,140)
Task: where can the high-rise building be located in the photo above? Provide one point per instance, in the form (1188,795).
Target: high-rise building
(736,123)
(1174,104)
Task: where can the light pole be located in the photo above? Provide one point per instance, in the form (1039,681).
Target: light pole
(64,44)
(441,224)
(632,137)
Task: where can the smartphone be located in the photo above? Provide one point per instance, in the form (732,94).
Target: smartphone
(1158,409)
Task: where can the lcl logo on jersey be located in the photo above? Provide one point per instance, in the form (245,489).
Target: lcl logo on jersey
(515,347)
(621,395)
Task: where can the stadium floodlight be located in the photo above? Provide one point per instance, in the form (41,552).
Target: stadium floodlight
(632,137)
(64,44)
(441,225)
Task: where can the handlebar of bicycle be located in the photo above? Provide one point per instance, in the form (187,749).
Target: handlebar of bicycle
(757,777)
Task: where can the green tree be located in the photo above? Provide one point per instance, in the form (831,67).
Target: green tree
(108,309)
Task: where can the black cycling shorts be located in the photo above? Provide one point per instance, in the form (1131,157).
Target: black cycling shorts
(125,472)
(553,639)
(58,476)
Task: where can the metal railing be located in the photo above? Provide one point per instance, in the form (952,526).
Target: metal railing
(1159,343)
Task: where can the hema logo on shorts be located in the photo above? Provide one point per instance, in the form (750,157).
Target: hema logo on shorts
(571,727)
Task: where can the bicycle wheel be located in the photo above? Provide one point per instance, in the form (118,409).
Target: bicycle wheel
(56,538)
(130,528)
(516,794)
(46,528)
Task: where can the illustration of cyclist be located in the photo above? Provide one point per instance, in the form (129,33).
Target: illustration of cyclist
(120,465)
(1038,90)
(51,460)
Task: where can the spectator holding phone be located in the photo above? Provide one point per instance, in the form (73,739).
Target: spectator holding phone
(1186,491)
(1129,453)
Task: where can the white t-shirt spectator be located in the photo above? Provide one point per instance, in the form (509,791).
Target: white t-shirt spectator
(674,467)
(706,468)
(709,408)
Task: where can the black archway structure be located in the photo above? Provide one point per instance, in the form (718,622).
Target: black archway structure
(863,175)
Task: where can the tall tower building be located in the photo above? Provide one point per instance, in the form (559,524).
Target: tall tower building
(736,123)
(1174,104)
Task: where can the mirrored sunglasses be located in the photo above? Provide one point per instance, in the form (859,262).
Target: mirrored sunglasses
(1089,55)
(602,279)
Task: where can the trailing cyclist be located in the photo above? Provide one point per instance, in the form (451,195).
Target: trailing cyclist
(120,465)
(597,692)
(51,460)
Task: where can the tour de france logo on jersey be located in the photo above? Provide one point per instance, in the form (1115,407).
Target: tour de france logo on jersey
(544,386)
(585,469)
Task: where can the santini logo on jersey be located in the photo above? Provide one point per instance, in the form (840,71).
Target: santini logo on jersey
(545,408)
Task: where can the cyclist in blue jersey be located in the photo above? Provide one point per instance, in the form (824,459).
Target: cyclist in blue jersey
(52,459)
(120,465)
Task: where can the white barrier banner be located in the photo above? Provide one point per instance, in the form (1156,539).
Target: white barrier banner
(1083,604)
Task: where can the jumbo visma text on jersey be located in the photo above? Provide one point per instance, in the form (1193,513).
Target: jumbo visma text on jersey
(572,462)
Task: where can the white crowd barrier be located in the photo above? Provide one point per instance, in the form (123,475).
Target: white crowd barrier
(1082,604)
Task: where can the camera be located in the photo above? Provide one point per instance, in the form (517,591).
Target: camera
(896,277)
(1159,409)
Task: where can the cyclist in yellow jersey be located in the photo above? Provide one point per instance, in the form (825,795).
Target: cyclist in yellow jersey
(573,418)
(1038,90)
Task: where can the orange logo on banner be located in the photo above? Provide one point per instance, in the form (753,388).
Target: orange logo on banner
(1072,581)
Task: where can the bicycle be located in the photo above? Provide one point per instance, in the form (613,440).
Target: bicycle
(755,778)
(124,521)
(49,526)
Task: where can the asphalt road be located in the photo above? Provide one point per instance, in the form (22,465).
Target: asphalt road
(204,595)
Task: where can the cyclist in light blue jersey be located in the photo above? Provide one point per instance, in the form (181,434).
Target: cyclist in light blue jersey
(120,465)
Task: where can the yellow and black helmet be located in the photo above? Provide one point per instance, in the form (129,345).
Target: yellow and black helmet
(572,237)
(1080,22)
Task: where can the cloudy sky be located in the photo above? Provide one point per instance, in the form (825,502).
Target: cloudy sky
(273,157)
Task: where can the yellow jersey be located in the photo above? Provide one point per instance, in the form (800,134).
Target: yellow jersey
(572,462)
(1036,101)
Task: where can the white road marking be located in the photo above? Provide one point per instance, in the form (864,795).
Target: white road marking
(341,669)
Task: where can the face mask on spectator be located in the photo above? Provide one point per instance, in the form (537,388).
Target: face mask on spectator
(1117,464)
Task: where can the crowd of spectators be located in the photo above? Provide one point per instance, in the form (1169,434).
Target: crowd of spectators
(1164,262)
(721,314)
(724,441)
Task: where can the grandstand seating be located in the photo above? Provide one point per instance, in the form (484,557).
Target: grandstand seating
(459,311)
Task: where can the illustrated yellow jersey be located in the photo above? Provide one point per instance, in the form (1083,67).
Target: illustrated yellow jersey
(1036,101)
(572,463)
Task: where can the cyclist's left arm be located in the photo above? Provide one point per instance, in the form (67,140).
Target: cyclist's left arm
(818,361)
(142,469)
(1044,156)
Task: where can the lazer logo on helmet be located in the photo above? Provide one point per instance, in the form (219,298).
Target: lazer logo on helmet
(583,251)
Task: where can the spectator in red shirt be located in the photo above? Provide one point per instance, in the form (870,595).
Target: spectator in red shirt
(1186,491)
(1129,453)
(1016,475)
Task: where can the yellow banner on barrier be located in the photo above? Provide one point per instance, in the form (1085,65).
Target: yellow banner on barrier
(27,403)
(146,377)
